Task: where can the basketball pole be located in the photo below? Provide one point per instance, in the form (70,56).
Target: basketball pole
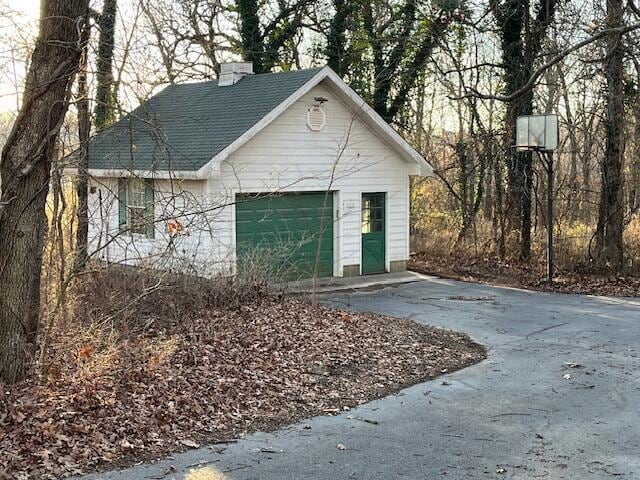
(550,258)
(542,138)
(547,162)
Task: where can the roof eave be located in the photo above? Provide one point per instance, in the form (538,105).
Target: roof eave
(156,174)
(418,165)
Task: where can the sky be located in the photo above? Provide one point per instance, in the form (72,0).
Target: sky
(26,19)
(29,7)
(23,19)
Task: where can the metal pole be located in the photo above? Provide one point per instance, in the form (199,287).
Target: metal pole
(550,216)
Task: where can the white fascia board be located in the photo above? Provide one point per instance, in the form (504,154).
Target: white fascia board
(211,169)
(419,166)
(161,175)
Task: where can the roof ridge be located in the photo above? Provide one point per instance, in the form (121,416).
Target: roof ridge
(252,75)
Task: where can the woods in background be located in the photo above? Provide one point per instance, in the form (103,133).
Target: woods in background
(454,76)
(451,76)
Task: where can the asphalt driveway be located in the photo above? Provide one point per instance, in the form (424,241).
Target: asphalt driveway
(558,398)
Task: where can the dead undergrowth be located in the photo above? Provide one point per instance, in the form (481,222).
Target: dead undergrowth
(492,270)
(143,364)
(439,250)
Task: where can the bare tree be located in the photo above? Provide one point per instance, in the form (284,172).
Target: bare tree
(398,61)
(25,173)
(610,250)
(522,35)
(104,71)
(262,42)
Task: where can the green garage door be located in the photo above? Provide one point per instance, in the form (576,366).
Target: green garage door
(290,233)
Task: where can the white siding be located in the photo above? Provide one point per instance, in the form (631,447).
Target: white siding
(197,250)
(344,157)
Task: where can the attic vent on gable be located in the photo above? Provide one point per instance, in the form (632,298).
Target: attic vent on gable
(316,118)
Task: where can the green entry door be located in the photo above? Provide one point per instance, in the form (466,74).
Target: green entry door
(373,231)
(290,234)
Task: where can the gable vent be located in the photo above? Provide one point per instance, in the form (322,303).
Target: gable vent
(316,118)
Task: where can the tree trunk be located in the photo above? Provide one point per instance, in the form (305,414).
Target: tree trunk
(337,49)
(520,176)
(82,179)
(104,67)
(587,153)
(634,194)
(499,224)
(487,207)
(250,34)
(611,218)
(572,180)
(465,196)
(522,34)
(24,175)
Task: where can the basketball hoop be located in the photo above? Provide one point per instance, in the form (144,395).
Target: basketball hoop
(539,133)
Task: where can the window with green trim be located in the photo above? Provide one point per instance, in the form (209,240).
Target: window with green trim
(372,213)
(135,210)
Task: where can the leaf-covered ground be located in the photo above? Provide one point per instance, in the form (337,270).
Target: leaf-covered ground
(525,275)
(132,380)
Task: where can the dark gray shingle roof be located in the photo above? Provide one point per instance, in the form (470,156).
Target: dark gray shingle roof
(184,126)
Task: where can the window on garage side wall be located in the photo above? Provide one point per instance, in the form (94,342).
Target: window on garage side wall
(135,212)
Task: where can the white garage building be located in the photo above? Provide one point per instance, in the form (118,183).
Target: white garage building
(291,171)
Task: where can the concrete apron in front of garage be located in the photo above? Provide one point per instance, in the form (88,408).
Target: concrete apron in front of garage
(360,282)
(558,398)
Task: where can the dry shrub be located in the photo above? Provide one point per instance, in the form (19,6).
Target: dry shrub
(632,243)
(132,297)
(436,253)
(436,221)
(111,306)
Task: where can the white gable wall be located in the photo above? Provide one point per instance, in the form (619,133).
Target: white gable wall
(345,157)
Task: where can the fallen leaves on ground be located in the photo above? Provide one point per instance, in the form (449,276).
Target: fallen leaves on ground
(532,276)
(206,376)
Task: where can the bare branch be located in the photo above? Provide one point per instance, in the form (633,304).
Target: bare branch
(550,63)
